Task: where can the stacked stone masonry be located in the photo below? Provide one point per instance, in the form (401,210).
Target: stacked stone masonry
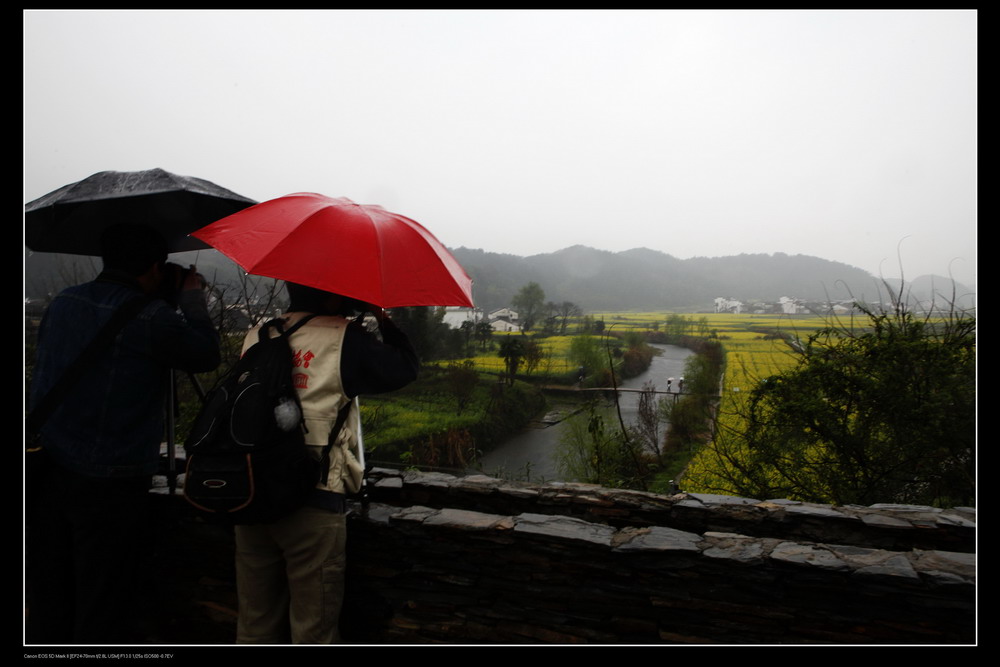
(441,559)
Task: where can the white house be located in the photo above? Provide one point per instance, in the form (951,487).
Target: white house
(788,306)
(728,306)
(503,324)
(504,319)
(841,309)
(505,313)
(501,319)
(454,316)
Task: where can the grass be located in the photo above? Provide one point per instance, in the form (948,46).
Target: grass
(422,409)
(397,424)
(428,408)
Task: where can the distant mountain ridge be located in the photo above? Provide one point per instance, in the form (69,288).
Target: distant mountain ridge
(645,279)
(596,280)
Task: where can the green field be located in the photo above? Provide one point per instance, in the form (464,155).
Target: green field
(428,409)
(427,424)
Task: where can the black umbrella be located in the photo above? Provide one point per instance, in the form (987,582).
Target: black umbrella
(72,218)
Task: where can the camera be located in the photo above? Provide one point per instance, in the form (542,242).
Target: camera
(173,279)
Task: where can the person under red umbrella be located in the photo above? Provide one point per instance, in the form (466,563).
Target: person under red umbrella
(330,251)
(290,573)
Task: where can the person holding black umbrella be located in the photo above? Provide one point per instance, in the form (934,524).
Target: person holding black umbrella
(101,435)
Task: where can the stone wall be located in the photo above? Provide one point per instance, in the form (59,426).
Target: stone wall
(440,559)
(459,560)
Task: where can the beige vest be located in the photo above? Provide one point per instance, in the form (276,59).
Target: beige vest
(316,347)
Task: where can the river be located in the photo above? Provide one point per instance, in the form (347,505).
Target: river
(528,455)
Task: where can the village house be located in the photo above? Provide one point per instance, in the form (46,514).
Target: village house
(728,306)
(501,319)
(790,306)
(504,319)
(455,316)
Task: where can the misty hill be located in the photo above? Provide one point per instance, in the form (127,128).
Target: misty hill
(637,279)
(644,279)
(46,273)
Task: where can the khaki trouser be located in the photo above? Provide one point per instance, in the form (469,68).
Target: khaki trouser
(290,578)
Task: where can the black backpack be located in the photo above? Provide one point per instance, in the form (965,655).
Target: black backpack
(247,461)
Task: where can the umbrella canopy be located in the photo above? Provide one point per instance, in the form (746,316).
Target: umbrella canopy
(333,244)
(72,218)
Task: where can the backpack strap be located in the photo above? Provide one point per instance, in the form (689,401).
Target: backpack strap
(279,324)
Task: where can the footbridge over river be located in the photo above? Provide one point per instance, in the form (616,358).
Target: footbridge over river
(435,558)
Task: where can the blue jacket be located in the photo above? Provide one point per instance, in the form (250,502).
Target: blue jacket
(111,423)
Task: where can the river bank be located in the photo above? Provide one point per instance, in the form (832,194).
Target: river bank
(529,454)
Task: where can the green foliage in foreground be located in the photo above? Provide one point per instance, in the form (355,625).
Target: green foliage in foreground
(880,413)
(597,448)
(593,449)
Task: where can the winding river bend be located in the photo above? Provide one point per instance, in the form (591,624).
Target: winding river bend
(530,453)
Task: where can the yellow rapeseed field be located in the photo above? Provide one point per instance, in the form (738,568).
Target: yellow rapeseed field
(750,354)
(753,352)
(756,346)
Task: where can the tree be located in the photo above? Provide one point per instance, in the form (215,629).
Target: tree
(533,355)
(461,380)
(563,312)
(650,413)
(529,304)
(252,300)
(636,357)
(883,413)
(512,352)
(586,352)
(677,325)
(591,450)
(425,328)
(468,329)
(483,333)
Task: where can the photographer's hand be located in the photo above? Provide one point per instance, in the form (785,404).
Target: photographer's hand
(192,280)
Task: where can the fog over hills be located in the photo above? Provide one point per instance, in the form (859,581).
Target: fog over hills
(644,279)
(850,135)
(596,280)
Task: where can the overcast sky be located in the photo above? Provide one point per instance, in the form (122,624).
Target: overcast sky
(840,134)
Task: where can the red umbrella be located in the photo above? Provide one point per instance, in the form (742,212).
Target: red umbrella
(333,244)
